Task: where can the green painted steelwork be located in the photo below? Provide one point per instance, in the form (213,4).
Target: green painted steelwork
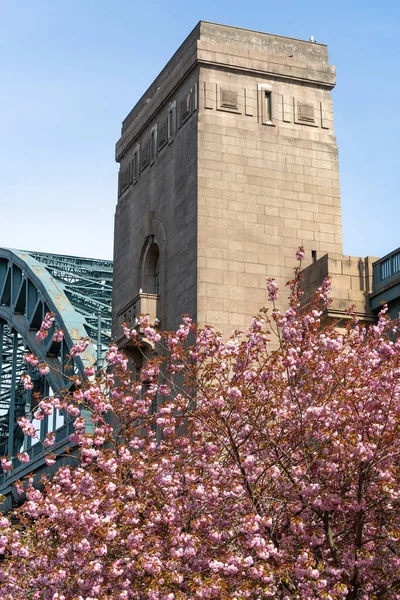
(87,283)
(78,291)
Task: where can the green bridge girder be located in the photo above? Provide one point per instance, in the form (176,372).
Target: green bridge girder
(78,291)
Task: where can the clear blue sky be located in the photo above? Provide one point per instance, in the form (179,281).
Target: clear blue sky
(70,71)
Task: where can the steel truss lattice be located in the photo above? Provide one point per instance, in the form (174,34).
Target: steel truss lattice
(78,291)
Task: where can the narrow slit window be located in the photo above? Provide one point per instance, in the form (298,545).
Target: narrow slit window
(171,122)
(136,163)
(153,144)
(267,107)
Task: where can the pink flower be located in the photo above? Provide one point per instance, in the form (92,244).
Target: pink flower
(79,423)
(58,335)
(44,369)
(27,427)
(48,321)
(234,394)
(89,371)
(115,357)
(111,487)
(50,459)
(46,407)
(300,253)
(23,457)
(144,320)
(6,465)
(4,523)
(31,359)
(78,395)
(50,439)
(27,381)
(151,334)
(73,410)
(79,348)
(42,334)
(164,390)
(129,333)
(57,403)
(272,289)
(39,415)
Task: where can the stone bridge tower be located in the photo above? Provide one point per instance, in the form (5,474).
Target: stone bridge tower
(228,163)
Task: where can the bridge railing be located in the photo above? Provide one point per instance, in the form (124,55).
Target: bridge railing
(386,270)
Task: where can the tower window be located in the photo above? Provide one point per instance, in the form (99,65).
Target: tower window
(265,103)
(135,164)
(267,107)
(153,144)
(171,121)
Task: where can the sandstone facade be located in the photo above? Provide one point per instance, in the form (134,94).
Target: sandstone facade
(227,164)
(352,284)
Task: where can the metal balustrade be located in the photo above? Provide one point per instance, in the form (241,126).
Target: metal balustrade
(386,270)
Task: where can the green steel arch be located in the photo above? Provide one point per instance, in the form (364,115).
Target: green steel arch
(78,291)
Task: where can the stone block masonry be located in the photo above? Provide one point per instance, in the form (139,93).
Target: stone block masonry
(227,164)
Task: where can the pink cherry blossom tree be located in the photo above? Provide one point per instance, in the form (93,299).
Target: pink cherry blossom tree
(261,473)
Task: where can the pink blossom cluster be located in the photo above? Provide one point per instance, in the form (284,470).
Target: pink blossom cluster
(58,335)
(44,369)
(45,325)
(79,347)
(27,381)
(129,333)
(272,288)
(300,253)
(48,321)
(27,427)
(31,359)
(115,357)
